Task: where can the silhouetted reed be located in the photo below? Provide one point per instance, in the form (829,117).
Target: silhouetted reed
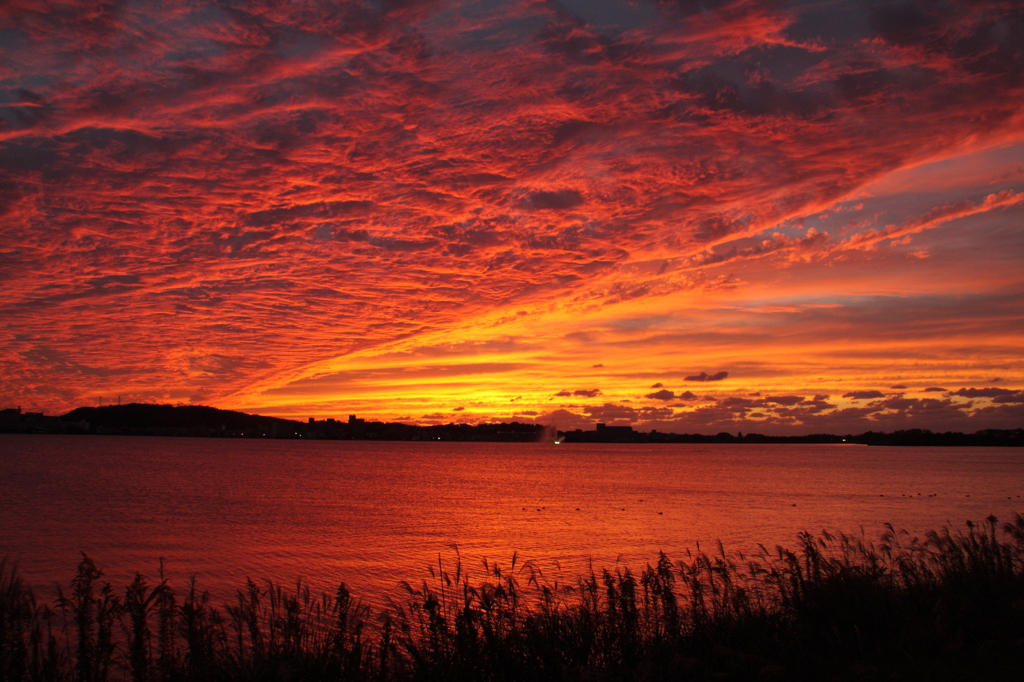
(948,606)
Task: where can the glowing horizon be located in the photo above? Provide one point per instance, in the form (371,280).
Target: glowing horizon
(745,216)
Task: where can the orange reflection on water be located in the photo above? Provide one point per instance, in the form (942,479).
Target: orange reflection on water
(375,514)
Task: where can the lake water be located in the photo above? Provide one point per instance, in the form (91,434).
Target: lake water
(372,514)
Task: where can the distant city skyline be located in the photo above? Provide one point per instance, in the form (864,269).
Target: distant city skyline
(732,216)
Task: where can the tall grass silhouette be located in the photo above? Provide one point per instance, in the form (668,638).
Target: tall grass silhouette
(948,606)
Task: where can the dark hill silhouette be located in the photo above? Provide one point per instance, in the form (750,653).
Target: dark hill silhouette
(195,419)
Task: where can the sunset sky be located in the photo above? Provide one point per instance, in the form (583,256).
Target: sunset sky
(689,216)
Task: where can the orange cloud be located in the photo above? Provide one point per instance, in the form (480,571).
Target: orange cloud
(301,207)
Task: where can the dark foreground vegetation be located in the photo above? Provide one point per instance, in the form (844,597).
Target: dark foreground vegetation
(949,607)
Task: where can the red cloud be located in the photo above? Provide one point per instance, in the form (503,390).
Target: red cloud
(587,393)
(863,395)
(704,376)
(663,394)
(582,392)
(257,192)
(788,400)
(984,392)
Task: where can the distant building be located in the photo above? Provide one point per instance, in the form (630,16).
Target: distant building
(614,431)
(37,422)
(604,434)
(10,419)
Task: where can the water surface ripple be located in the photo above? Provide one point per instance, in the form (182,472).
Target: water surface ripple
(375,513)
